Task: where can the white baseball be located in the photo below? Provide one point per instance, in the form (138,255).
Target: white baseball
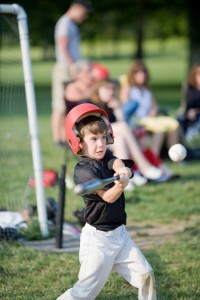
(177,152)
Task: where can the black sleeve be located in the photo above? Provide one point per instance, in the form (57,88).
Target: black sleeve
(111,158)
(86,174)
(83,175)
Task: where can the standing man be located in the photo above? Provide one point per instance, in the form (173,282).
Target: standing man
(67,48)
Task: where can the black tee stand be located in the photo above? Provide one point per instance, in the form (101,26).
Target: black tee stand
(61,208)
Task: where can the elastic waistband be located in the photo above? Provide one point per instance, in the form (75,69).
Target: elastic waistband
(116,231)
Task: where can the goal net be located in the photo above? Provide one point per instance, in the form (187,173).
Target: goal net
(19,144)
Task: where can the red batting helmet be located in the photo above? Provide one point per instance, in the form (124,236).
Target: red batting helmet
(78,113)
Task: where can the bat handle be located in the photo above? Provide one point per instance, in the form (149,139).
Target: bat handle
(117,177)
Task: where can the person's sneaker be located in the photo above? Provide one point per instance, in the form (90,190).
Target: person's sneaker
(152,173)
(138,179)
(130,187)
(8,233)
(166,178)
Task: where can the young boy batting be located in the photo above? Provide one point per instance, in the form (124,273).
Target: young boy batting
(105,243)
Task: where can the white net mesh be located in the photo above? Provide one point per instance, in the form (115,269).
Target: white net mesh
(15,148)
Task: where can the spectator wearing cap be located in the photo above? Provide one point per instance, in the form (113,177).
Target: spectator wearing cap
(67,51)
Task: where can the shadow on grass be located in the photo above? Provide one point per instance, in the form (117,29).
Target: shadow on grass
(191,177)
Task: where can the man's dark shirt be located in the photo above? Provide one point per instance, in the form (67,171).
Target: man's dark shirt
(100,214)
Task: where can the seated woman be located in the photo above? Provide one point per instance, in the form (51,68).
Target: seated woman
(125,145)
(136,89)
(84,73)
(78,90)
(190,117)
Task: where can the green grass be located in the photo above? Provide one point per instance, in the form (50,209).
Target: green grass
(27,274)
(31,275)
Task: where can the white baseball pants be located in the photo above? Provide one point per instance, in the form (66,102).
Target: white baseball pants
(100,252)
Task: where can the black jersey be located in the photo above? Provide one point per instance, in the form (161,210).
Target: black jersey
(100,214)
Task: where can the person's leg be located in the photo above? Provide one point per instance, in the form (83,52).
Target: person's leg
(57,122)
(133,266)
(157,142)
(97,254)
(59,76)
(173,138)
(125,145)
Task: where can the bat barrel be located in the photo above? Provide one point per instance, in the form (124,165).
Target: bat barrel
(94,185)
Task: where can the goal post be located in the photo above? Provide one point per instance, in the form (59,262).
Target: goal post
(21,16)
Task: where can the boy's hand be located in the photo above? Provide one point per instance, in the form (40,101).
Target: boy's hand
(124,173)
(123,181)
(112,194)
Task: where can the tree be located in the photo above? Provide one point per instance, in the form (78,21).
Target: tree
(131,19)
(140,20)
(193,32)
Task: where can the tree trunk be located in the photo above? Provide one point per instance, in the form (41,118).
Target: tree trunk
(141,5)
(194,32)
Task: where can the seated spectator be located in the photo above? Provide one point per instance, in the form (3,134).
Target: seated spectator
(190,115)
(13,218)
(125,145)
(21,219)
(136,89)
(78,90)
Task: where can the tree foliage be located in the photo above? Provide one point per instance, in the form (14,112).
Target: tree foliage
(133,19)
(161,18)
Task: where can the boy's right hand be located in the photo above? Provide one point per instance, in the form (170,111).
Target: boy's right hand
(112,194)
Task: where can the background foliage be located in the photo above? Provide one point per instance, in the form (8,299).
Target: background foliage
(136,20)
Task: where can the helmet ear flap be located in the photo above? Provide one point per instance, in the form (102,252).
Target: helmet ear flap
(79,143)
(76,133)
(77,138)
(110,136)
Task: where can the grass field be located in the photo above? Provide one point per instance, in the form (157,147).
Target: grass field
(27,274)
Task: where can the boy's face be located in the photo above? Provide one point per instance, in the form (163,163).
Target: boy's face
(94,145)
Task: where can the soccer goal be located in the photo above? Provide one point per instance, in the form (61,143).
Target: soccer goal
(20,156)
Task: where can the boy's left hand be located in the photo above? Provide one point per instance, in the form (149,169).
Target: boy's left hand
(124,173)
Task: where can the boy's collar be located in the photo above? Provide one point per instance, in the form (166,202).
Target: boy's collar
(128,162)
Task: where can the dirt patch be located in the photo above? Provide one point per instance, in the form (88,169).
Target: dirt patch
(146,236)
